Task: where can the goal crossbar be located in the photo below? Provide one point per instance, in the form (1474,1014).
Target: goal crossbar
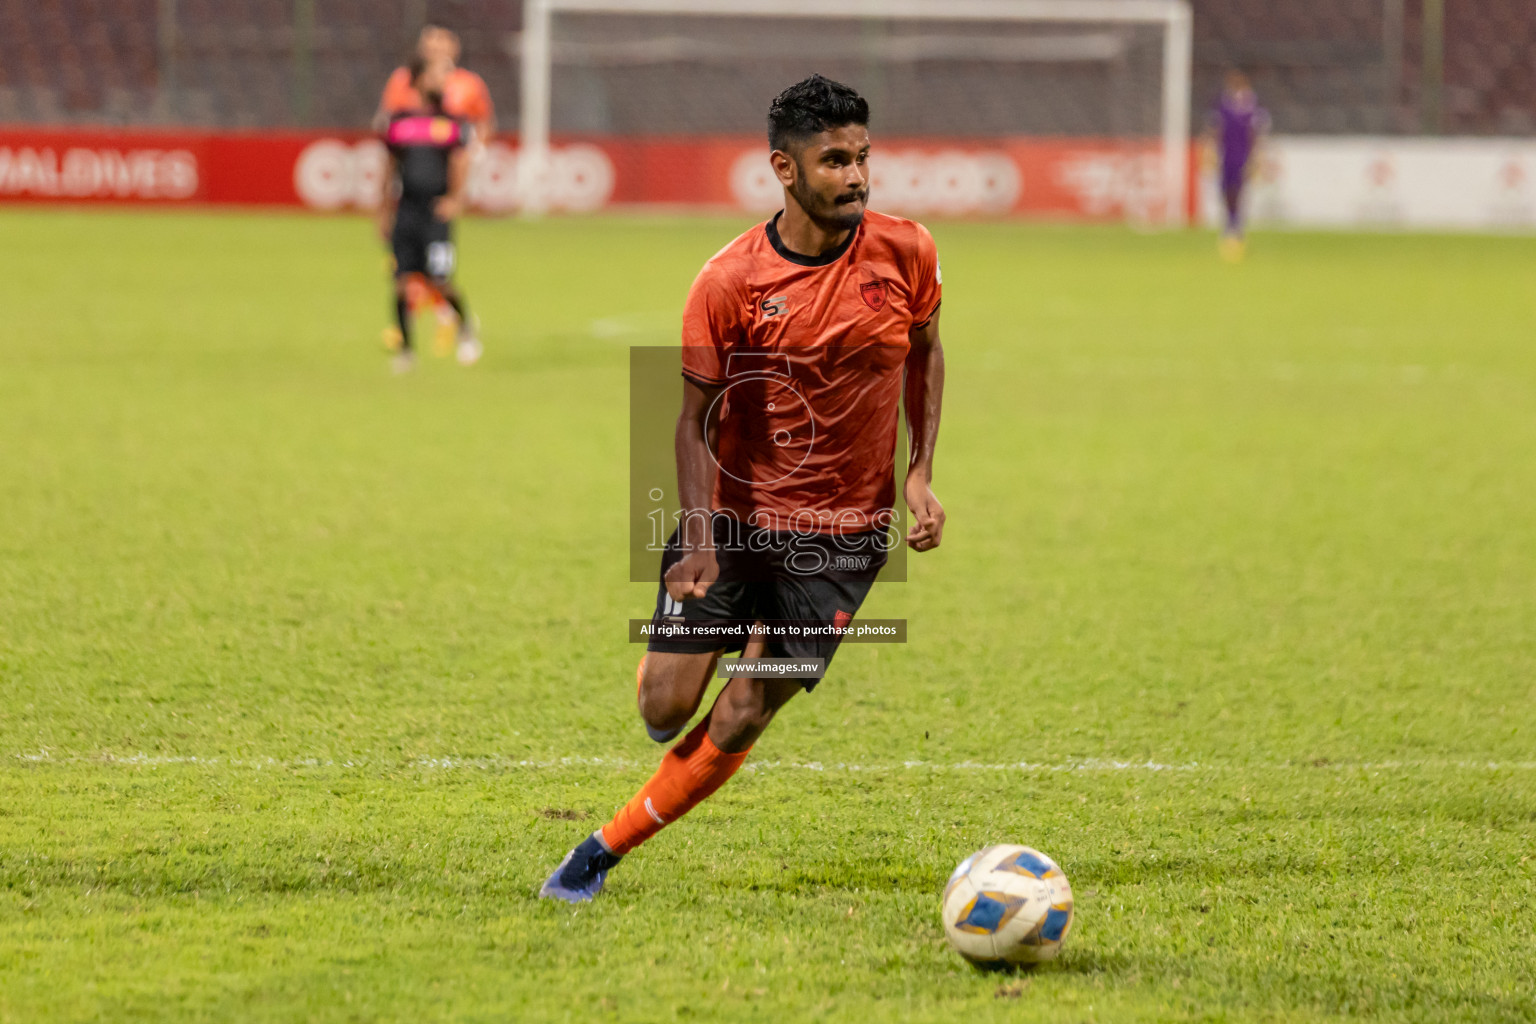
(1143,11)
(1172,15)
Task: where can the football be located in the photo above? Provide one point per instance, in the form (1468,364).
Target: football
(1007,906)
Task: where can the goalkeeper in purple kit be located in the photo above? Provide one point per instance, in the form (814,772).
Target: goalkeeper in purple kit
(1236,124)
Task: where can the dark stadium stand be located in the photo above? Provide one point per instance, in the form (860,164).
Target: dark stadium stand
(1320,67)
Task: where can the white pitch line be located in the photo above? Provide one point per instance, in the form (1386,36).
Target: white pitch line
(501,763)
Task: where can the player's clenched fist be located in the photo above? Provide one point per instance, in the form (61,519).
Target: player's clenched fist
(927,515)
(691,576)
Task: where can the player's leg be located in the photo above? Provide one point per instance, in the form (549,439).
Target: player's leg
(405,356)
(402,315)
(677,669)
(425,298)
(743,710)
(446,333)
(394,334)
(441,259)
(673,679)
(696,766)
(717,747)
(700,762)
(1232,181)
(410,260)
(828,593)
(672,685)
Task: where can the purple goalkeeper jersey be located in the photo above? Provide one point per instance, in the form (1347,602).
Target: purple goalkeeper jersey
(1238,121)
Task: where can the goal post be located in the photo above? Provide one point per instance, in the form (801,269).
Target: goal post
(615,32)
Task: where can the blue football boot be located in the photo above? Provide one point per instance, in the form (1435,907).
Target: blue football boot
(580,876)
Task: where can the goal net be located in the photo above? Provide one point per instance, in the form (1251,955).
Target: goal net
(1069,108)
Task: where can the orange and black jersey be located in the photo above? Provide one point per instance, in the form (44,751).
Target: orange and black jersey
(809,354)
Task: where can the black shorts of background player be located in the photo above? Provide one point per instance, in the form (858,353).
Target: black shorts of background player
(423,193)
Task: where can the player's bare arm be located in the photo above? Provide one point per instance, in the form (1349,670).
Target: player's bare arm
(451,205)
(388,197)
(924,394)
(692,575)
(485,128)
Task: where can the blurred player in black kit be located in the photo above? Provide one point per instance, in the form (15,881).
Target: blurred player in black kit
(423,193)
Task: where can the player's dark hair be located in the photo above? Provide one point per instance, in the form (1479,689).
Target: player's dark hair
(810,107)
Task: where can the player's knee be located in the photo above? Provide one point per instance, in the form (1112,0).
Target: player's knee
(661,707)
(739,717)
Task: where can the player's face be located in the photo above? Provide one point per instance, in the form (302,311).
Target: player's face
(830,176)
(438,46)
(433,80)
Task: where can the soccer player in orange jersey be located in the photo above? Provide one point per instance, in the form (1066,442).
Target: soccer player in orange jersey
(422,195)
(465,97)
(800,340)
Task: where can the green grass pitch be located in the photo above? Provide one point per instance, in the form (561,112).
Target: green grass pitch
(309,674)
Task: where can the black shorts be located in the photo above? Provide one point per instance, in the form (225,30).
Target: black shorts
(773,576)
(422,243)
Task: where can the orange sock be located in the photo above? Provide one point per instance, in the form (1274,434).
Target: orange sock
(692,770)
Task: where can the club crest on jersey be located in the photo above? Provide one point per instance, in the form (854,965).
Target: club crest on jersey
(873,294)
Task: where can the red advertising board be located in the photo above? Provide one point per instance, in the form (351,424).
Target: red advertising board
(54,165)
(1060,178)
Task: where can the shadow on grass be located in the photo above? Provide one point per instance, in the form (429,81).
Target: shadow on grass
(852,876)
(1082,962)
(1071,963)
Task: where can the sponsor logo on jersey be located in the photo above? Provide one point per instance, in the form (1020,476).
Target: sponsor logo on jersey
(776,306)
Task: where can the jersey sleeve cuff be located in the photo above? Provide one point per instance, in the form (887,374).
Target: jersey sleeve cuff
(925,321)
(702,381)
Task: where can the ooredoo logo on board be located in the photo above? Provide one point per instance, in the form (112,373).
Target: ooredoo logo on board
(951,181)
(331,174)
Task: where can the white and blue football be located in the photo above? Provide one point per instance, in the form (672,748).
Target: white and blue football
(1007,906)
